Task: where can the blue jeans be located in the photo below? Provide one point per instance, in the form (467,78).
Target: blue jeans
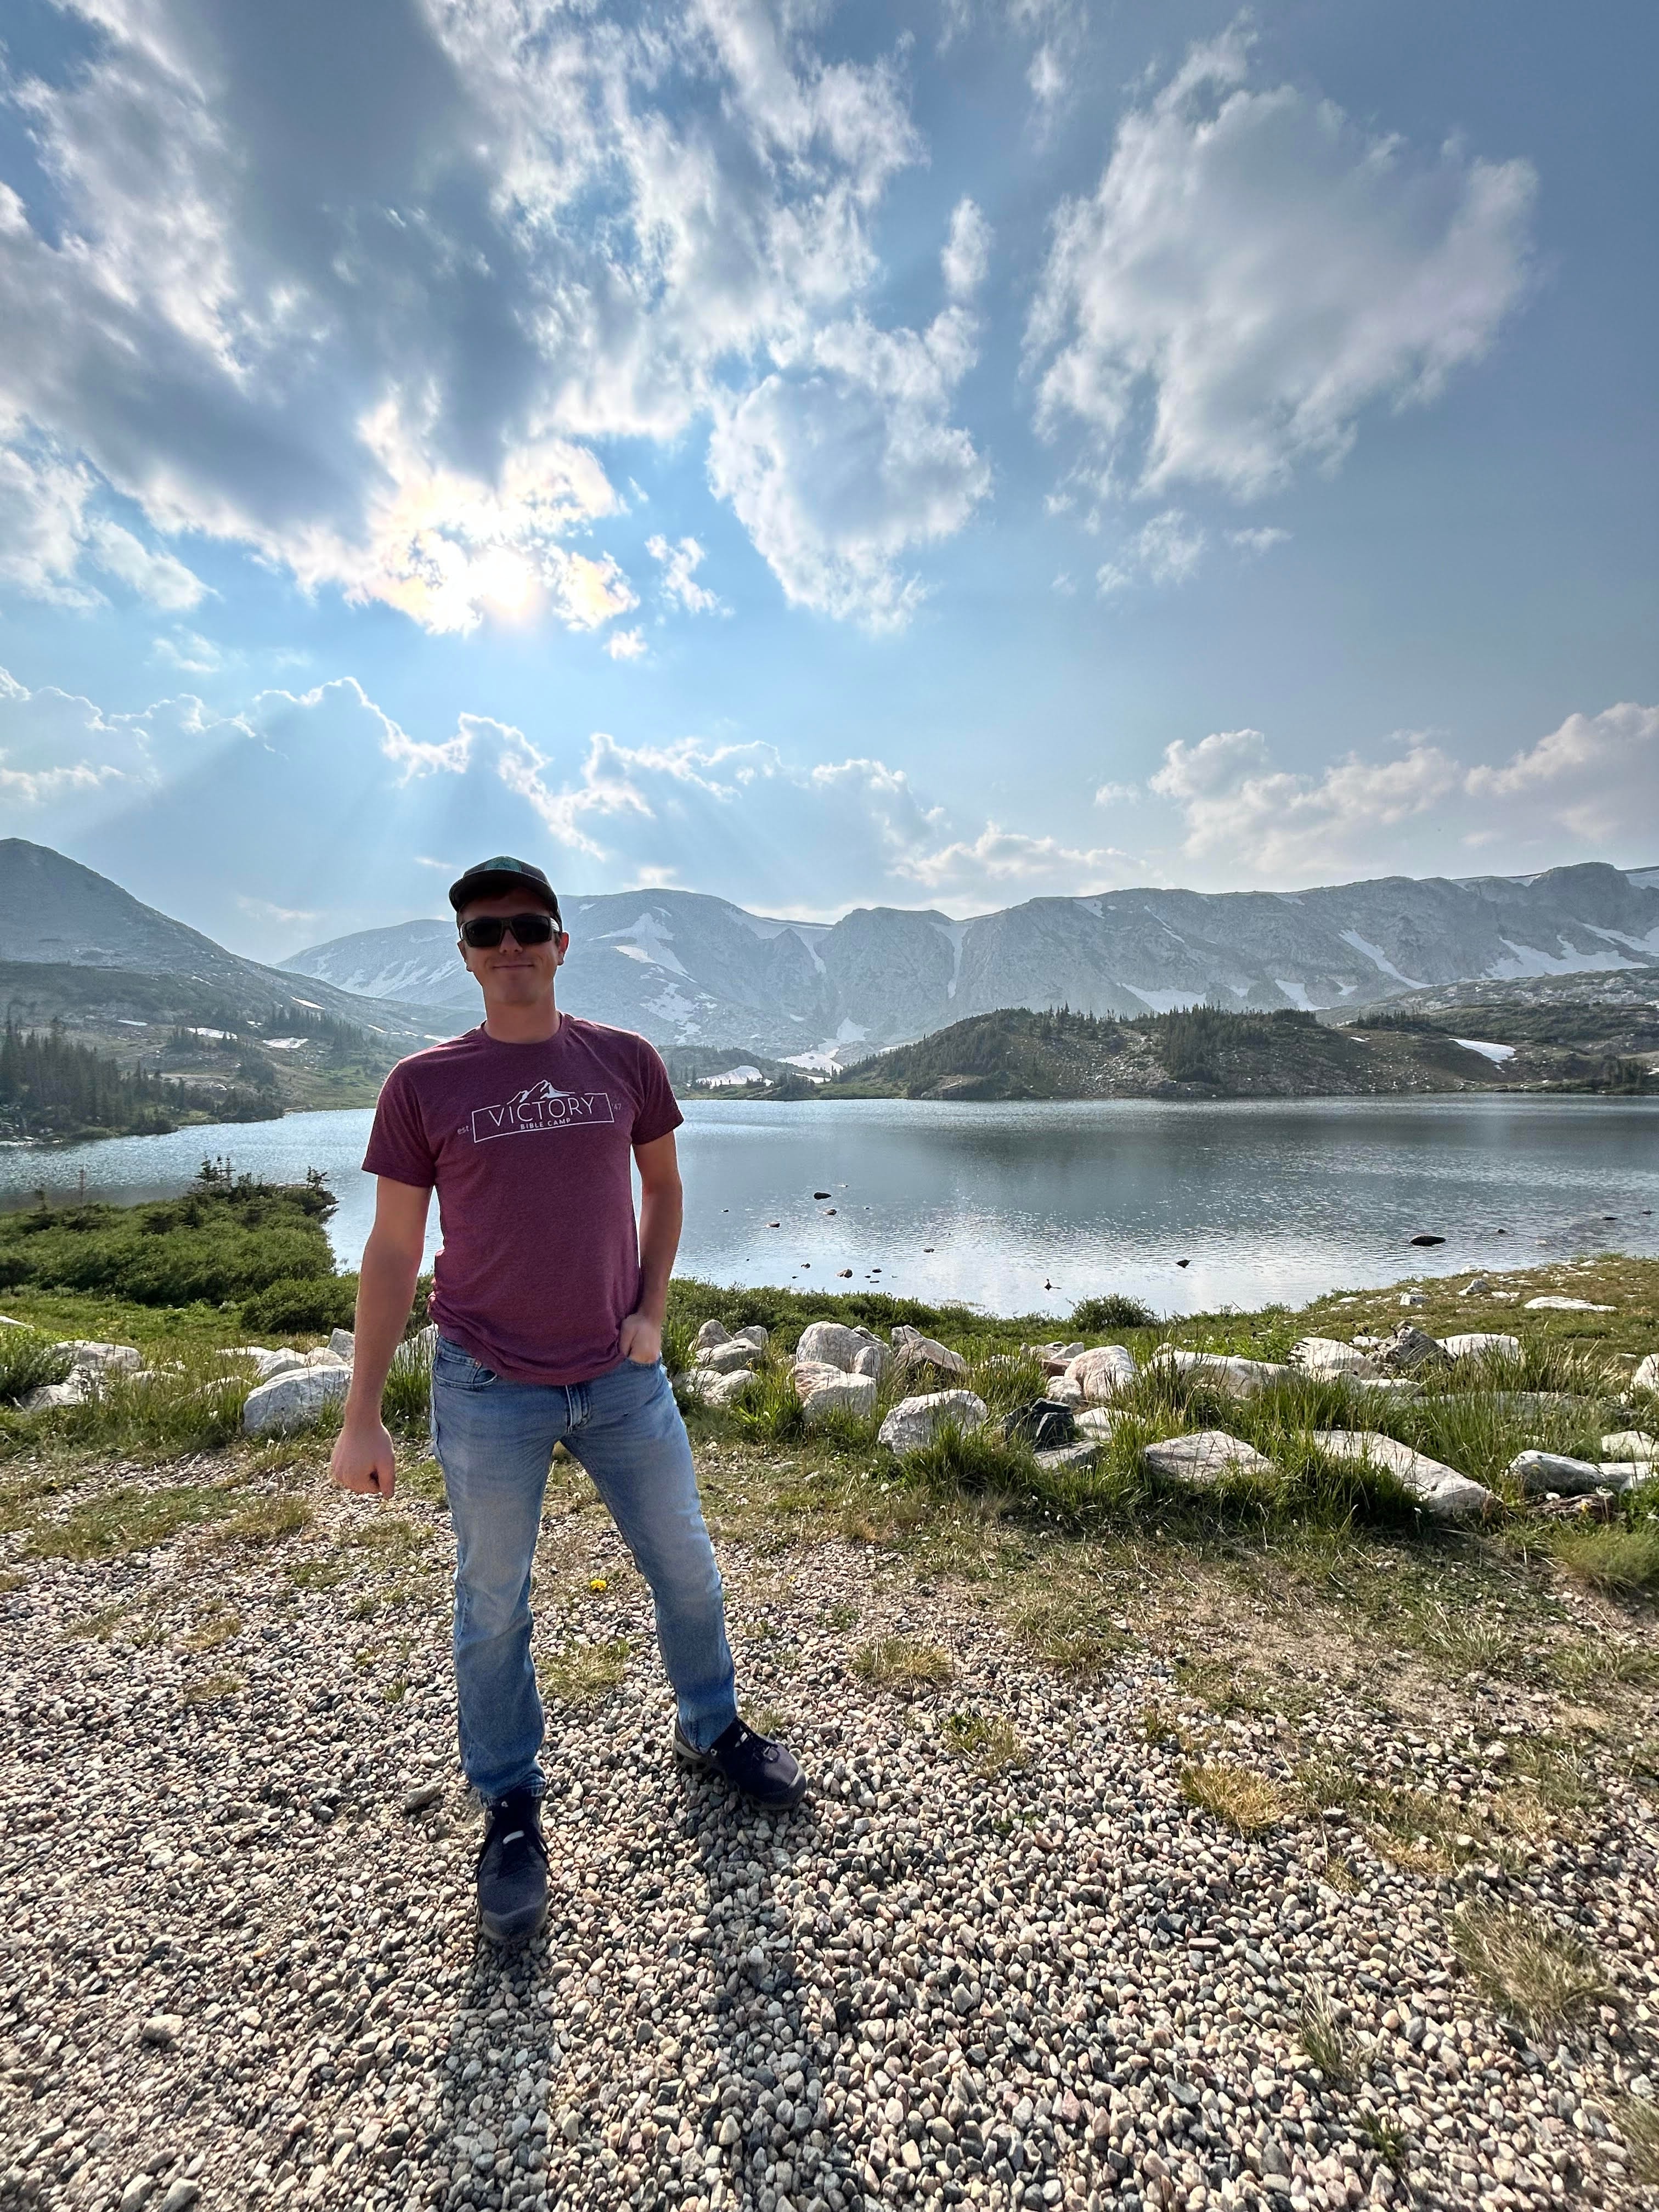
(495,1440)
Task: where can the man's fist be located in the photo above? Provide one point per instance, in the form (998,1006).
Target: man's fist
(363,1459)
(641,1340)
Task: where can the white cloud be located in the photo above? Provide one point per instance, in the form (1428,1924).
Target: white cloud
(1580,793)
(845,461)
(188,652)
(626,645)
(679,565)
(1258,541)
(1254,270)
(365,298)
(1165,550)
(967,253)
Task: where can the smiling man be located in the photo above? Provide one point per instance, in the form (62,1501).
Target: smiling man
(549,1300)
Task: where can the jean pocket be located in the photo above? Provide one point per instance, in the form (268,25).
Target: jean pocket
(459,1369)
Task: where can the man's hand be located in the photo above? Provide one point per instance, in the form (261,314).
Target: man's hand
(363,1459)
(641,1340)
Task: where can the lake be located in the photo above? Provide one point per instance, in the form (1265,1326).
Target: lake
(1028,1208)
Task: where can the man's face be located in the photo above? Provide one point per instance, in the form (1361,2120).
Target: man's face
(509,972)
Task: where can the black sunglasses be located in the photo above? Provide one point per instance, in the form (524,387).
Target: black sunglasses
(487,930)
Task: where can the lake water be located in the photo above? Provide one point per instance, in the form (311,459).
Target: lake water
(1028,1208)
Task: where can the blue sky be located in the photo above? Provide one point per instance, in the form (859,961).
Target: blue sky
(929,456)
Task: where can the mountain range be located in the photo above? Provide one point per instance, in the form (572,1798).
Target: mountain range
(685,968)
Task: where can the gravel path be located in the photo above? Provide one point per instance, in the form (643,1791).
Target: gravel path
(238,1964)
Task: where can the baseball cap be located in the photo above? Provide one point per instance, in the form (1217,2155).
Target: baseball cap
(490,878)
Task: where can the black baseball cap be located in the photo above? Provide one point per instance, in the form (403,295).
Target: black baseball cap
(491,879)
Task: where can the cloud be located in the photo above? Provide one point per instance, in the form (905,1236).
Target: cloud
(844,462)
(1254,270)
(1576,793)
(1258,541)
(626,645)
(1165,550)
(366,292)
(967,253)
(679,566)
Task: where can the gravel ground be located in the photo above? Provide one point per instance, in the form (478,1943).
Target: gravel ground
(239,1966)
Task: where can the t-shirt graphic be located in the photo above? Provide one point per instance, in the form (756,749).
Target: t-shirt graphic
(540,1258)
(541,1106)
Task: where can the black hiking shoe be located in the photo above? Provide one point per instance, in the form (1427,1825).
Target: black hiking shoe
(513,1869)
(758,1769)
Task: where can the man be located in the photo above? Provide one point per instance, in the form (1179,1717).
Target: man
(550,1310)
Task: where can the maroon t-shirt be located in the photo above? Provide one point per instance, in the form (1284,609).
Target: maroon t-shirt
(529,1148)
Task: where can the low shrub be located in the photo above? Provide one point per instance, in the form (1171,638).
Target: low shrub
(223,1241)
(406,1401)
(299,1305)
(1090,1316)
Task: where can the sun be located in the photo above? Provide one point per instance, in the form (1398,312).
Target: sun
(504,579)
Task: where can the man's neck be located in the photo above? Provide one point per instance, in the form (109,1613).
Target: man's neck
(533,1024)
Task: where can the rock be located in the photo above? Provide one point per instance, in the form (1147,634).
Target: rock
(810,1375)
(875,1359)
(1063,1458)
(1064,1392)
(726,1358)
(753,1334)
(1393,1386)
(1564,1305)
(912,1349)
(828,1344)
(711,1333)
(1536,1473)
(296,1400)
(846,1394)
(1103,1370)
(1427,1238)
(1482,1346)
(1208,1457)
(103,1358)
(1442,1493)
(342,1343)
(721,1389)
(1646,1377)
(270,1365)
(75,1390)
(1476,1287)
(1630,1443)
(1096,1421)
(1044,1424)
(915,1421)
(323,1357)
(424,1794)
(1413,1297)
(182,2194)
(1327,1355)
(1222,1370)
(1410,1350)
(164,2028)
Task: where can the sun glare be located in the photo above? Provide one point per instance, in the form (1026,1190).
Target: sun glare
(504,579)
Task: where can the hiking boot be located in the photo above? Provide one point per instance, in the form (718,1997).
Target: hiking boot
(513,1869)
(760,1769)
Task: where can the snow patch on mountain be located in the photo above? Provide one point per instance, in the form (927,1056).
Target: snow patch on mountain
(1378,957)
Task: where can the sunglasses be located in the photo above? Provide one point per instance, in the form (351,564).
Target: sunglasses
(486,931)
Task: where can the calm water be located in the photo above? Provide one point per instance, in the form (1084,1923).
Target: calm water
(1029,1209)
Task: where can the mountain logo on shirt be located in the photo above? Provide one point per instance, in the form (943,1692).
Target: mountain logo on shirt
(543,1106)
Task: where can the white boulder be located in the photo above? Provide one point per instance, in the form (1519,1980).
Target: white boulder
(342,1343)
(726,1358)
(1097,1422)
(831,1344)
(913,1422)
(1646,1377)
(1069,1458)
(268,1364)
(324,1357)
(1328,1355)
(1630,1444)
(1062,1391)
(874,1360)
(1239,1379)
(1482,1346)
(721,1389)
(1563,1306)
(1539,1474)
(810,1375)
(1442,1493)
(912,1349)
(75,1389)
(1197,1461)
(295,1400)
(752,1333)
(1103,1371)
(102,1358)
(847,1394)
(711,1333)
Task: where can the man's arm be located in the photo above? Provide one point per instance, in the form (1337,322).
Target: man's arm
(363,1457)
(662,1208)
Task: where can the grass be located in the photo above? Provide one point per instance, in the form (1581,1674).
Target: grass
(1638,2123)
(895,1662)
(1248,1804)
(28,1358)
(215,1626)
(1325,2039)
(1544,1978)
(1619,1562)
(989,1741)
(128,1519)
(210,1689)
(1063,1628)
(582,1673)
(267,1520)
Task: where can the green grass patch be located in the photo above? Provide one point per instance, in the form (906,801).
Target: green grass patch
(128,1519)
(582,1673)
(1619,1562)
(989,1741)
(1524,1963)
(272,1519)
(897,1663)
(28,1358)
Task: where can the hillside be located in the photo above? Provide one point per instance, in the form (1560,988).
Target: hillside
(1197,1054)
(688,969)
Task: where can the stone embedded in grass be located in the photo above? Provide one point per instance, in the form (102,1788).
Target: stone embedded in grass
(810,1375)
(726,1358)
(1103,1371)
(75,1390)
(711,1333)
(912,1349)
(295,1400)
(1646,1377)
(1068,1459)
(913,1422)
(847,1394)
(1564,1305)
(719,1389)
(754,1334)
(831,1344)
(1096,1421)
(103,1358)
(1327,1355)
(1210,1456)
(1631,1445)
(1410,1350)
(1238,1378)
(1481,1345)
(1536,1473)
(342,1343)
(1442,1491)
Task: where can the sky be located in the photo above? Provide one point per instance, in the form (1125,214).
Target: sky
(929,455)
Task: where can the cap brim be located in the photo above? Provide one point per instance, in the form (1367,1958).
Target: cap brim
(497,882)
